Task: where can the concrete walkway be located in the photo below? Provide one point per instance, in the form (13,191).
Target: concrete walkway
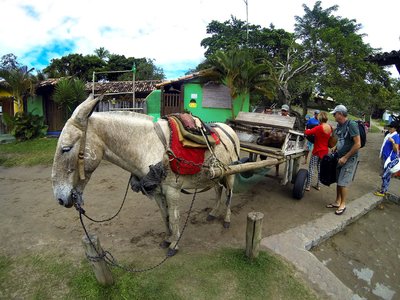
(294,244)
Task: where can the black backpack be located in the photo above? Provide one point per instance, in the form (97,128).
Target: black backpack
(361,129)
(328,169)
(311,138)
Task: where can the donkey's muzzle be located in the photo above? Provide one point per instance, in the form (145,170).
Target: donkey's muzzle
(66,203)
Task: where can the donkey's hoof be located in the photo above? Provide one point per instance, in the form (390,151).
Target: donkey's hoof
(227,225)
(172,252)
(165,244)
(211,218)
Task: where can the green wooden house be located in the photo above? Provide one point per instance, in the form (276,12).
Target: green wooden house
(207,100)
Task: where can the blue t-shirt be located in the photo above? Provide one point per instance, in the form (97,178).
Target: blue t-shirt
(388,148)
(312,121)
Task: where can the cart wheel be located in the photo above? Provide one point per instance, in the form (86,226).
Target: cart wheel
(300,184)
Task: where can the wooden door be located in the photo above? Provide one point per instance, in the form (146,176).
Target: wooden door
(171,102)
(7,107)
(55,115)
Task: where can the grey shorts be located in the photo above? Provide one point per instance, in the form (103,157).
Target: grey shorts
(345,174)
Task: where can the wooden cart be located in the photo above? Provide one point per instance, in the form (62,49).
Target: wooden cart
(270,140)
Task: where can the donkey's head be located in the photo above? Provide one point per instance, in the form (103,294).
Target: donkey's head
(70,172)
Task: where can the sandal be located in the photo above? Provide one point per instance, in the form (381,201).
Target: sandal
(316,187)
(308,189)
(379,194)
(332,205)
(340,211)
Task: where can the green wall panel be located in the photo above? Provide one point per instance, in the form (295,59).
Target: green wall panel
(35,105)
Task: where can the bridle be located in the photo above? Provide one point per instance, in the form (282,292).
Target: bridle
(82,146)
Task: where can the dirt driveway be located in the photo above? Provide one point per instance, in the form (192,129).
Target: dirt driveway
(32,221)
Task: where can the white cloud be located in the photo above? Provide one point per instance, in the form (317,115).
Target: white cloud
(169,32)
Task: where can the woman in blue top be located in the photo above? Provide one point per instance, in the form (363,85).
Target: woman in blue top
(390,147)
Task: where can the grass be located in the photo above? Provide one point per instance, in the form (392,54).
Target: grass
(225,274)
(28,153)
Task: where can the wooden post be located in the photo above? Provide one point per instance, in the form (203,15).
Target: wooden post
(100,268)
(253,233)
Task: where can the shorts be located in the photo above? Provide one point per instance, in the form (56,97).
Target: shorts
(345,174)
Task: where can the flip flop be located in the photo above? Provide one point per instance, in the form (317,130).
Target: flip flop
(316,187)
(332,205)
(307,189)
(340,211)
(379,194)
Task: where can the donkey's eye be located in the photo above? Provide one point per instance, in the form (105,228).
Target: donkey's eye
(66,149)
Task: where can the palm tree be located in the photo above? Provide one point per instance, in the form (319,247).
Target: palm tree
(241,75)
(69,92)
(20,82)
(102,53)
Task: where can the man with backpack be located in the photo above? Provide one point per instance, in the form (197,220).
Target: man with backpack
(348,144)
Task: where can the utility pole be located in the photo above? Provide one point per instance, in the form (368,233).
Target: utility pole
(247,21)
(133,81)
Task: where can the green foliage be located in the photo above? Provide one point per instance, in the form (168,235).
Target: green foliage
(236,70)
(232,35)
(226,274)
(325,55)
(28,153)
(69,92)
(82,67)
(18,80)
(75,65)
(26,126)
(338,52)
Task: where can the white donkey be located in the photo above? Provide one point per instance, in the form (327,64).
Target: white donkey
(130,141)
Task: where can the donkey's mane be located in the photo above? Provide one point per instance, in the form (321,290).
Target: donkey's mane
(126,114)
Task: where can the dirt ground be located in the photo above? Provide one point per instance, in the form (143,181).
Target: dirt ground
(31,221)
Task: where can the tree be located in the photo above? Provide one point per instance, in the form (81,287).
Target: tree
(20,82)
(146,70)
(102,53)
(69,92)
(288,70)
(75,65)
(82,67)
(232,35)
(338,53)
(9,62)
(237,71)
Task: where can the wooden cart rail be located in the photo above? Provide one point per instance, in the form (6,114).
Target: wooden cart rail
(248,166)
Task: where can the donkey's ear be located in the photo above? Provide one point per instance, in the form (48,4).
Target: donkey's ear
(85,109)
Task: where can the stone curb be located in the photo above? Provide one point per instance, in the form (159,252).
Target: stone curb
(294,244)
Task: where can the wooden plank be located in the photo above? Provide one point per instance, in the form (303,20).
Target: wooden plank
(216,96)
(266,120)
(261,148)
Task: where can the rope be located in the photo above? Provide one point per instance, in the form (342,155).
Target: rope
(109,258)
(81,210)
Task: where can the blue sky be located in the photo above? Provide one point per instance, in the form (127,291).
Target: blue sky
(169,32)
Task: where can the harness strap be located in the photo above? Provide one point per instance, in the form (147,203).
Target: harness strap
(228,135)
(183,191)
(160,134)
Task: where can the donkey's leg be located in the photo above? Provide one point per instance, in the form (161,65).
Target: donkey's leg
(230,180)
(172,196)
(214,212)
(162,204)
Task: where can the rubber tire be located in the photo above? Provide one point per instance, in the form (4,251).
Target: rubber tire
(300,182)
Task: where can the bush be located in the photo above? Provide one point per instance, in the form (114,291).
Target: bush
(26,126)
